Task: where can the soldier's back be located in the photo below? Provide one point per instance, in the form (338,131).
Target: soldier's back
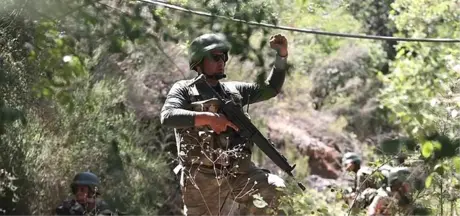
(365,179)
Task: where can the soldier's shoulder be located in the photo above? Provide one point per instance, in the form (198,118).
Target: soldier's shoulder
(364,170)
(183,83)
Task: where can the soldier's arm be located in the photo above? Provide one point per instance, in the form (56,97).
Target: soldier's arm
(256,92)
(174,112)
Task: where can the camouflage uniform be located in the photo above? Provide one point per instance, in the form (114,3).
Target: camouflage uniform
(389,202)
(366,182)
(218,168)
(71,207)
(366,185)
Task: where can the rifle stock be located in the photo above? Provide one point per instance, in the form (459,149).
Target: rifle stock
(249,131)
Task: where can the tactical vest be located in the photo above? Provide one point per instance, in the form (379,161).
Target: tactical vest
(200,145)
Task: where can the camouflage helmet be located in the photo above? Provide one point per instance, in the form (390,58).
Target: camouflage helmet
(398,174)
(85,178)
(350,157)
(201,46)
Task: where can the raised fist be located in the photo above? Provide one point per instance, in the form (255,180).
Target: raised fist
(279,43)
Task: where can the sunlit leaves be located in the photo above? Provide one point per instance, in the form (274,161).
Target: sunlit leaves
(421,74)
(456,163)
(55,52)
(429,180)
(427,149)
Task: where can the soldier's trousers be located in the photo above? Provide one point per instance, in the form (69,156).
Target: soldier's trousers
(208,191)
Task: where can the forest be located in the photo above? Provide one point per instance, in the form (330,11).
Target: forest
(82,83)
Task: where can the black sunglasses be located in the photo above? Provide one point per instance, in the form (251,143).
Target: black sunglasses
(217,57)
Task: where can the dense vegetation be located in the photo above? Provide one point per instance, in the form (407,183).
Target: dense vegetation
(82,82)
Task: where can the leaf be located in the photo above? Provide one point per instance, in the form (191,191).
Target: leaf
(428,180)
(456,162)
(440,169)
(427,149)
(259,203)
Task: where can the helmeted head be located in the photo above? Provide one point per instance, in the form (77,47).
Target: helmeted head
(85,185)
(351,161)
(208,54)
(398,176)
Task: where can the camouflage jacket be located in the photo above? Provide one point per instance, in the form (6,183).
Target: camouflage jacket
(367,177)
(72,207)
(201,145)
(366,183)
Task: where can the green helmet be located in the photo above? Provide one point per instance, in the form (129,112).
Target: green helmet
(350,157)
(201,46)
(398,174)
(85,178)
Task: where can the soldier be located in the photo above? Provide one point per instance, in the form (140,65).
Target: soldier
(352,163)
(395,198)
(215,162)
(86,201)
(366,180)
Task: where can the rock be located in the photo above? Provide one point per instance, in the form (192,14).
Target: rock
(312,138)
(319,183)
(323,160)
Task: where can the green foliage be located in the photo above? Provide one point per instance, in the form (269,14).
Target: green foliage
(423,77)
(420,89)
(312,202)
(99,136)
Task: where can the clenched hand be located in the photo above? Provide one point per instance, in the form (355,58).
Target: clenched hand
(279,43)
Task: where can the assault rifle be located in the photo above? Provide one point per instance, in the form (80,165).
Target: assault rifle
(248,131)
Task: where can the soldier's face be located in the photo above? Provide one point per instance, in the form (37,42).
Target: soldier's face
(349,166)
(84,194)
(214,63)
